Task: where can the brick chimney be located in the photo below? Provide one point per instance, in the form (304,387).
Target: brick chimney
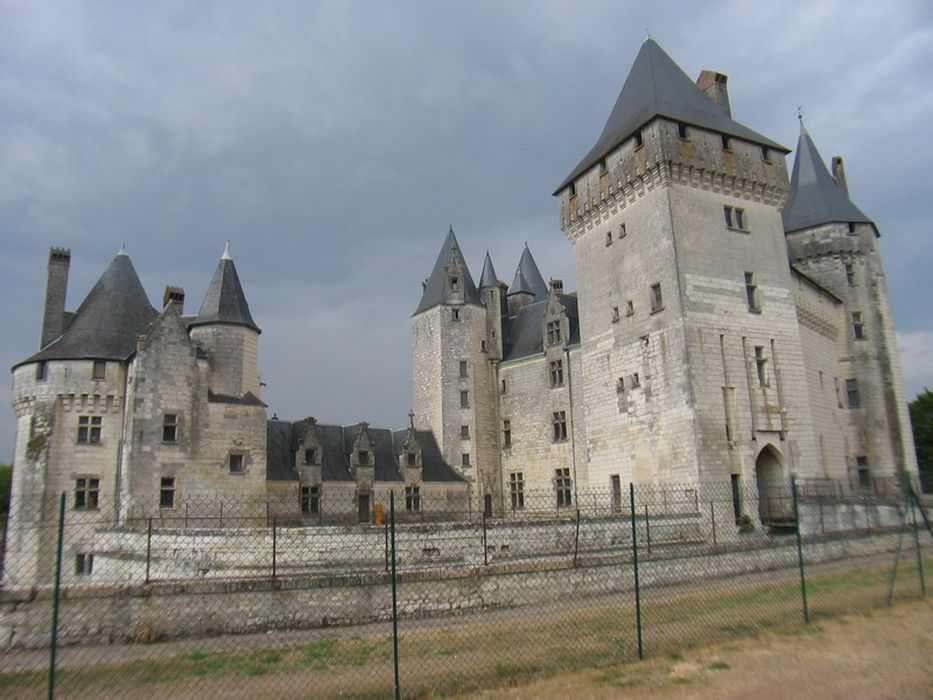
(176,295)
(53,315)
(713,84)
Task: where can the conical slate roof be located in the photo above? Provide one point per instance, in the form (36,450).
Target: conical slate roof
(225,301)
(488,278)
(815,197)
(528,278)
(106,325)
(657,87)
(435,291)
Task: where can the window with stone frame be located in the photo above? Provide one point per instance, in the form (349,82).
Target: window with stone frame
(89,429)
(167,492)
(507,433)
(363,456)
(850,274)
(615,486)
(735,217)
(751,292)
(310,500)
(553,332)
(464,369)
(858,326)
(556,370)
(864,475)
(629,308)
(454,284)
(413,498)
(236,463)
(657,300)
(464,399)
(563,486)
(761,365)
(465,459)
(464,432)
(412,459)
(169,427)
(517,490)
(853,398)
(84,564)
(311,455)
(455,314)
(87,493)
(42,371)
(559,426)
(99,370)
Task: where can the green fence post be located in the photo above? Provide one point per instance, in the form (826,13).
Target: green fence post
(631,497)
(53,646)
(803,578)
(913,518)
(398,689)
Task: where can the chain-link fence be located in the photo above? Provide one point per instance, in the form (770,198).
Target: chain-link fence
(238,598)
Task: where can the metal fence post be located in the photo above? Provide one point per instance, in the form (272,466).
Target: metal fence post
(148,547)
(398,689)
(803,578)
(53,643)
(647,529)
(386,523)
(485,546)
(221,515)
(576,540)
(275,532)
(712,517)
(913,518)
(631,496)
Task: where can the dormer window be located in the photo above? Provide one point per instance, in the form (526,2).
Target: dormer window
(42,371)
(639,140)
(412,459)
(766,154)
(363,457)
(100,370)
(726,143)
(454,284)
(682,130)
(236,464)
(553,332)
(455,314)
(311,456)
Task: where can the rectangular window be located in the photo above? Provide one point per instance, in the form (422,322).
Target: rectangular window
(42,371)
(465,459)
(852,393)
(563,485)
(622,232)
(507,433)
(482,346)
(167,492)
(311,456)
(87,493)
(553,332)
(735,217)
(761,365)
(454,284)
(657,301)
(413,498)
(630,308)
(639,140)
(751,292)
(559,425)
(463,369)
(84,564)
(310,499)
(726,143)
(503,387)
(464,399)
(858,326)
(766,154)
(89,428)
(864,477)
(615,314)
(850,274)
(412,459)
(455,314)
(363,457)
(236,464)
(615,484)
(557,373)
(620,384)
(169,427)
(636,380)
(517,490)
(682,130)
(464,432)
(608,237)
(100,370)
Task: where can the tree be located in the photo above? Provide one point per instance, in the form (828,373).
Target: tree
(921,417)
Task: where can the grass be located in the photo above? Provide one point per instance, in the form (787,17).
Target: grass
(467,657)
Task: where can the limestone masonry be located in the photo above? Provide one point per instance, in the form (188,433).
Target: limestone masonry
(730,325)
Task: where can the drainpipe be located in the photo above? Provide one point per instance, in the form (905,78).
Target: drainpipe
(573,437)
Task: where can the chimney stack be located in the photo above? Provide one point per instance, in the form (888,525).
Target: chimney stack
(53,315)
(176,295)
(557,286)
(839,174)
(713,84)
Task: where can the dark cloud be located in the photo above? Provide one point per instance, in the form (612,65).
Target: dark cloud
(333,143)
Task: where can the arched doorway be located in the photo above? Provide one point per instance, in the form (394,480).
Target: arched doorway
(773,499)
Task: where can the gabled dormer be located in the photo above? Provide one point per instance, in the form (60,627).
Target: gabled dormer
(310,450)
(363,456)
(410,457)
(450,282)
(555,325)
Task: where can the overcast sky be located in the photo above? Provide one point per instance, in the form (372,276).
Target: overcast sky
(333,144)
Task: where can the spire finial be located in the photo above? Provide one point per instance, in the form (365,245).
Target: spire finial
(226,255)
(122,250)
(800,114)
(647,34)
(411,419)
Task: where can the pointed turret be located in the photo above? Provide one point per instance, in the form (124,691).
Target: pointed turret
(489,277)
(109,320)
(450,279)
(657,87)
(815,196)
(528,278)
(225,301)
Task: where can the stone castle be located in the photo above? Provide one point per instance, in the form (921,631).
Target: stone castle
(731,325)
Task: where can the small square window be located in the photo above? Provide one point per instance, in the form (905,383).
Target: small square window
(507,433)
(412,459)
(465,459)
(89,429)
(87,493)
(636,380)
(608,237)
(657,301)
(858,326)
(413,498)
(615,314)
(630,308)
(42,371)
(726,143)
(170,427)
(853,398)
(639,140)
(850,274)
(766,154)
(455,314)
(363,457)
(84,564)
(100,370)
(464,432)
(463,369)
(311,456)
(464,399)
(167,492)
(310,499)
(682,130)
(236,464)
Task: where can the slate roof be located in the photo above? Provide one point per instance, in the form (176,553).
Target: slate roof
(488,278)
(248,399)
(225,301)
(528,277)
(523,333)
(284,438)
(110,319)
(657,87)
(435,291)
(815,197)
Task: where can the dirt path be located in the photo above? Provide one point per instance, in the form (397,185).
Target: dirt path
(878,654)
